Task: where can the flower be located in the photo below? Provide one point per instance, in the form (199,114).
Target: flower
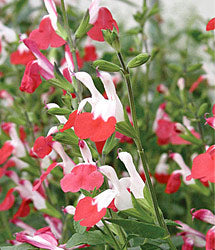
(89,211)
(46,35)
(161,170)
(191,236)
(41,66)
(22,55)
(203,166)
(42,238)
(101,19)
(174,181)
(100,123)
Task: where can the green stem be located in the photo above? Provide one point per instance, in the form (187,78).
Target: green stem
(6,225)
(158,213)
(72,46)
(117,247)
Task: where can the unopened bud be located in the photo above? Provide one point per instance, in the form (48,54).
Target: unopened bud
(106,66)
(138,60)
(181,83)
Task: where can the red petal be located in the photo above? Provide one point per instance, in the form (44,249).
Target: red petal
(42,147)
(162,178)
(95,129)
(90,53)
(84,176)
(23,210)
(70,122)
(103,22)
(44,175)
(173,183)
(5,152)
(8,201)
(100,145)
(31,78)
(211,24)
(21,58)
(46,36)
(88,213)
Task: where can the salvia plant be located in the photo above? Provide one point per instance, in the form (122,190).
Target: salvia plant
(105,147)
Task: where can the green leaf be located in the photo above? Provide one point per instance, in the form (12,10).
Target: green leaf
(154,10)
(142,210)
(58,111)
(106,66)
(51,211)
(84,26)
(61,31)
(67,136)
(202,110)
(147,196)
(138,60)
(78,228)
(194,67)
(91,238)
(126,128)
(60,80)
(18,247)
(110,143)
(140,228)
(171,223)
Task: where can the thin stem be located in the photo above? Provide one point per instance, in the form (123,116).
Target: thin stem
(72,46)
(111,234)
(158,213)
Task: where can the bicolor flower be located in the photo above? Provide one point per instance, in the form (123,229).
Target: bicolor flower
(100,123)
(161,88)
(211,120)
(191,236)
(46,35)
(84,175)
(174,181)
(55,225)
(169,132)
(203,166)
(90,210)
(161,171)
(13,146)
(208,217)
(42,238)
(41,66)
(101,19)
(203,215)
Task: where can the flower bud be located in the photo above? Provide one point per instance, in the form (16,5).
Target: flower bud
(138,60)
(106,66)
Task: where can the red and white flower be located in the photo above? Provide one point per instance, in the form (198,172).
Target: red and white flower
(161,171)
(174,181)
(46,35)
(100,123)
(191,236)
(101,19)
